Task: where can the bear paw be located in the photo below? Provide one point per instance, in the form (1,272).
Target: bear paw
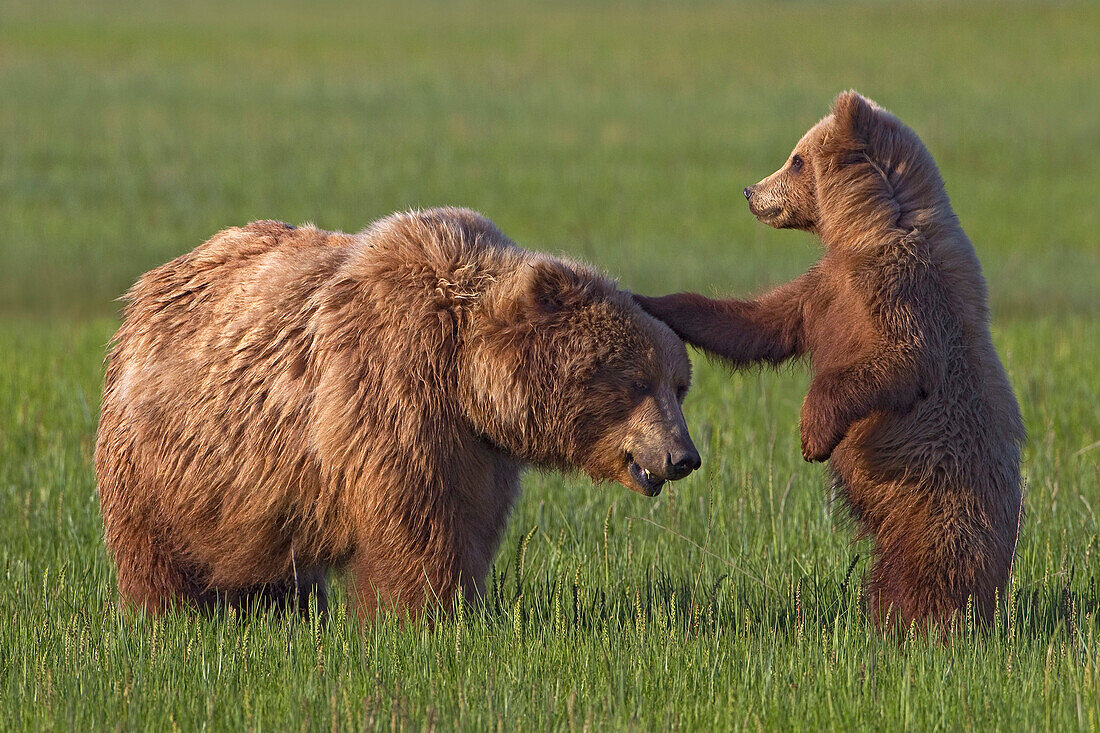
(820,431)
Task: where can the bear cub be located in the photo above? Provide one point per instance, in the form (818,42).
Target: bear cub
(283,401)
(908,401)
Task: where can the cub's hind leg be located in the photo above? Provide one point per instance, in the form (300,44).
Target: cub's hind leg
(937,557)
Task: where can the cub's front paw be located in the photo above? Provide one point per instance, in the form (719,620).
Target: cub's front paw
(814,450)
(821,432)
(672,310)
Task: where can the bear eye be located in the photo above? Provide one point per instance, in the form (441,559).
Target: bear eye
(640,387)
(796,163)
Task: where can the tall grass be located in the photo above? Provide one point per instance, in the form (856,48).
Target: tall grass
(733,600)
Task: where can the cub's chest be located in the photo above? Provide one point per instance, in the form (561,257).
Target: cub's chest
(839,325)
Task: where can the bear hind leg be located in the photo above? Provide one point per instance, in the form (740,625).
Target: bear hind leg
(936,577)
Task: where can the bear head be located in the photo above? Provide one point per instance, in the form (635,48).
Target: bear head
(567,372)
(859,169)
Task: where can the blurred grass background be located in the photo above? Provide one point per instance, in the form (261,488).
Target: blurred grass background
(618,133)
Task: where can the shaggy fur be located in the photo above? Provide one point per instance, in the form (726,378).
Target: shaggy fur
(282,401)
(908,399)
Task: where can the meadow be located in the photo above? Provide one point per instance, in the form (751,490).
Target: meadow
(621,134)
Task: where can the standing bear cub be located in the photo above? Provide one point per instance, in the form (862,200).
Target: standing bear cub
(283,401)
(909,401)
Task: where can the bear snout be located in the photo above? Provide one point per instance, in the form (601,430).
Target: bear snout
(681,461)
(760,211)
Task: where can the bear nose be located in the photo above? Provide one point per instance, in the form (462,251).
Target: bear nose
(682,462)
(748,192)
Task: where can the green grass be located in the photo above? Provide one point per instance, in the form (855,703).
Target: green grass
(620,134)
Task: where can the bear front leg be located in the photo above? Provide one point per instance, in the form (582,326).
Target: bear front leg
(413,585)
(888,380)
(149,577)
(742,332)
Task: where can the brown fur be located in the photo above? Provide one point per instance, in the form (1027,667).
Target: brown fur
(282,401)
(909,400)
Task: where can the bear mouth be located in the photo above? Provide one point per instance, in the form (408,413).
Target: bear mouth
(648,483)
(766,214)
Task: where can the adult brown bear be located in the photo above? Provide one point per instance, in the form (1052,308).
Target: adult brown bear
(282,401)
(908,400)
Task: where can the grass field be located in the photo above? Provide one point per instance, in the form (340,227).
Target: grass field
(621,134)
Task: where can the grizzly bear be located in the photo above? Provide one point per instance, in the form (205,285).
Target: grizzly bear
(282,401)
(908,401)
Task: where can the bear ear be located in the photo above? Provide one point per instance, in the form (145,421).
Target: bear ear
(853,114)
(550,287)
